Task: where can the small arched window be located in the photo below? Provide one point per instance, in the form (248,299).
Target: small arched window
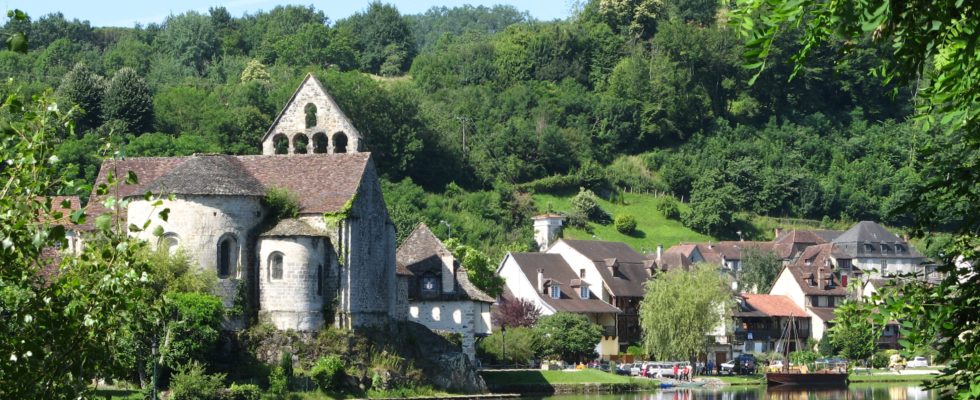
(170,242)
(227,255)
(339,142)
(310,111)
(300,143)
(320,143)
(275,266)
(280,143)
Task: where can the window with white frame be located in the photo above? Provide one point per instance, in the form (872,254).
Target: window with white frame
(555,291)
(583,292)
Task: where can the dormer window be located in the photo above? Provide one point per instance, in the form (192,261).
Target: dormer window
(555,291)
(583,292)
(869,248)
(900,248)
(885,248)
(429,285)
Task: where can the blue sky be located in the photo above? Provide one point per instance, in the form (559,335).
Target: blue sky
(128,13)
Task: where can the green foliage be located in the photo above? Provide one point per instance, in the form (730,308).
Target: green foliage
(192,383)
(668,208)
(244,392)
(480,269)
(568,336)
(194,331)
(382,37)
(853,333)
(278,383)
(585,208)
(759,270)
(327,372)
(128,99)
(625,224)
(803,357)
(523,346)
(84,87)
(281,204)
(680,309)
(712,203)
(286,363)
(826,347)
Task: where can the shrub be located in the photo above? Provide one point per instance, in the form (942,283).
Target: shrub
(523,346)
(881,358)
(669,208)
(278,383)
(191,383)
(286,363)
(803,357)
(281,204)
(586,204)
(625,224)
(196,328)
(244,392)
(327,372)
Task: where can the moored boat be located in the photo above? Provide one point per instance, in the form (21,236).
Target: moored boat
(822,379)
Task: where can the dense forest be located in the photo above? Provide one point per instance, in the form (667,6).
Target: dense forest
(470,110)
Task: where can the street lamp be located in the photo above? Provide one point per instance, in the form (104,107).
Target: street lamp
(503,331)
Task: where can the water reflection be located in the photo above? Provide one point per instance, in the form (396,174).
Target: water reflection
(853,392)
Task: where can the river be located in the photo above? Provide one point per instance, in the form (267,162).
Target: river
(857,391)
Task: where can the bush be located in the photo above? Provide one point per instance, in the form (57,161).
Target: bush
(881,358)
(625,224)
(669,208)
(327,372)
(524,345)
(286,363)
(196,328)
(278,383)
(281,204)
(586,204)
(244,392)
(803,357)
(191,383)
(825,347)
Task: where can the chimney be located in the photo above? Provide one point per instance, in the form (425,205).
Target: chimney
(448,273)
(820,283)
(540,280)
(660,253)
(547,228)
(777,231)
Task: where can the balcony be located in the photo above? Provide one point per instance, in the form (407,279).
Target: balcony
(757,334)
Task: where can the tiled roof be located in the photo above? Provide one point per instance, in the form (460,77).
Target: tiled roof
(818,255)
(557,270)
(670,261)
(422,251)
(420,245)
(548,215)
(825,313)
(322,182)
(294,227)
(624,271)
(826,283)
(772,305)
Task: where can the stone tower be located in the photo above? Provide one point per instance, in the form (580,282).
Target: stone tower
(311,122)
(547,227)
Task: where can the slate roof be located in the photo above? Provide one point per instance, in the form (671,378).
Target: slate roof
(557,270)
(803,274)
(869,239)
(422,251)
(623,270)
(770,306)
(321,182)
(294,227)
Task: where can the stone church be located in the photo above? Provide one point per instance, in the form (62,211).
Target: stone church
(332,264)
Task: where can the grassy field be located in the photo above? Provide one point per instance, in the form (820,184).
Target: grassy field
(741,379)
(891,378)
(534,377)
(652,228)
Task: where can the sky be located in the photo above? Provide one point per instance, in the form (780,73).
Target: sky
(128,13)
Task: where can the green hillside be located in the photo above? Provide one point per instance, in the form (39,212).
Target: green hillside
(652,228)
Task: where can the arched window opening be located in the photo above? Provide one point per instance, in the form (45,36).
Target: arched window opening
(170,242)
(227,251)
(300,143)
(339,142)
(320,143)
(310,115)
(281,144)
(275,266)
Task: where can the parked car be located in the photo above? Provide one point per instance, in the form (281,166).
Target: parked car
(656,369)
(742,365)
(623,369)
(917,362)
(635,371)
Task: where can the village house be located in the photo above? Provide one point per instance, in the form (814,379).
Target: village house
(334,263)
(761,322)
(437,292)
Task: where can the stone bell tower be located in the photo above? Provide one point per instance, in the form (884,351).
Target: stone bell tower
(311,123)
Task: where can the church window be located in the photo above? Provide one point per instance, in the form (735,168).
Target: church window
(280,143)
(310,115)
(555,291)
(275,266)
(429,285)
(339,142)
(227,250)
(320,143)
(170,242)
(300,143)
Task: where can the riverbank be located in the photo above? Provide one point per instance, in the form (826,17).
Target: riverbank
(563,382)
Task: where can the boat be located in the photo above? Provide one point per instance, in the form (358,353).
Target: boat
(802,377)
(670,384)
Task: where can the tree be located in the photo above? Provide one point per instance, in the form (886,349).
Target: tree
(680,309)
(516,312)
(381,37)
(569,336)
(128,99)
(480,269)
(85,88)
(713,202)
(932,46)
(517,346)
(190,38)
(853,334)
(760,268)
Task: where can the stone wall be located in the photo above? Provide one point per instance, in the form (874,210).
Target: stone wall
(198,223)
(330,121)
(468,318)
(294,302)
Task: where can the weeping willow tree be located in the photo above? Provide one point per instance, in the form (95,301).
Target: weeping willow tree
(681,308)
